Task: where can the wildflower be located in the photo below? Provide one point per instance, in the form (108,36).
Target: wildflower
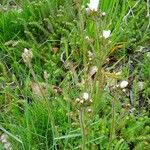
(7,146)
(89,110)
(88,40)
(27,56)
(85,96)
(5,141)
(77,100)
(81,101)
(103,14)
(106,33)
(90,100)
(124,90)
(90,55)
(4,138)
(46,75)
(93,5)
(123,84)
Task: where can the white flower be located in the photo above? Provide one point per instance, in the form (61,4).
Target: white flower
(7,146)
(77,100)
(4,138)
(26,50)
(103,14)
(85,96)
(93,5)
(106,33)
(89,110)
(27,56)
(88,40)
(46,75)
(123,84)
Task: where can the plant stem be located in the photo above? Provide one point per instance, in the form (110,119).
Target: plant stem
(112,126)
(81,119)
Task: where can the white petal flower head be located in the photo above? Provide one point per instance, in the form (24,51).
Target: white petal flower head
(123,84)
(103,14)
(27,55)
(93,5)
(85,96)
(106,33)
(26,50)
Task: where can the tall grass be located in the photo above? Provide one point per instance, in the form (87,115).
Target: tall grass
(61,34)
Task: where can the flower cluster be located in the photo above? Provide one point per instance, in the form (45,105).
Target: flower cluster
(5,141)
(84,102)
(93,5)
(106,33)
(27,56)
(123,85)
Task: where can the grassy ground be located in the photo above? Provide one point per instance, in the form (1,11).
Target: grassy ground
(42,91)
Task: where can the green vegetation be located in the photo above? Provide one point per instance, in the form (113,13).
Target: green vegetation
(60,77)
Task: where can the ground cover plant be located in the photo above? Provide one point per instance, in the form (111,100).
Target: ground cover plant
(74,77)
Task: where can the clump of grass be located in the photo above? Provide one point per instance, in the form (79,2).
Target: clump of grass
(42,106)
